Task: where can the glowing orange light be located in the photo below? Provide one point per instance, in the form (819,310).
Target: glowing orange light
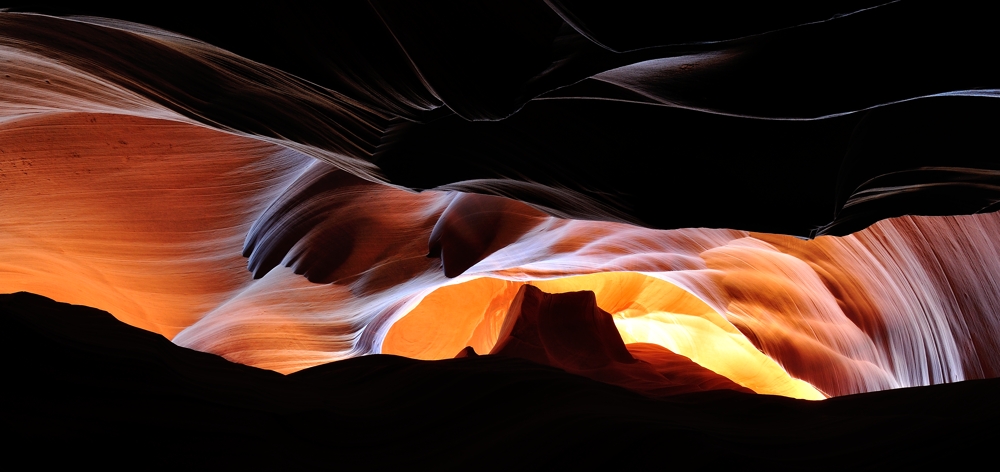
(645,310)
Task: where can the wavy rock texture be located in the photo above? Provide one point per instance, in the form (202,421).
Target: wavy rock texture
(531,103)
(155,240)
(140,166)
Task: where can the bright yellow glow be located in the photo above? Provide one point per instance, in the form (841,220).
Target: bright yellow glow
(715,348)
(645,309)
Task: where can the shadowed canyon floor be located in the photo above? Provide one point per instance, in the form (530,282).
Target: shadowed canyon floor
(89,389)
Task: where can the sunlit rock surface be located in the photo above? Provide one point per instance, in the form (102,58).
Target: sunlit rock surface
(147,219)
(270,215)
(137,216)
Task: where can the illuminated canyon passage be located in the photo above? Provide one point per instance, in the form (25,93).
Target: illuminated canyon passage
(157,231)
(710,205)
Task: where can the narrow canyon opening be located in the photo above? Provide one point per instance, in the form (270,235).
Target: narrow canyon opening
(645,309)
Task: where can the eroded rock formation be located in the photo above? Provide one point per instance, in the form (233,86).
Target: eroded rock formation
(398,190)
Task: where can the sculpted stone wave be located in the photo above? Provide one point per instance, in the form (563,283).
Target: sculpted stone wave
(146,218)
(565,106)
(139,167)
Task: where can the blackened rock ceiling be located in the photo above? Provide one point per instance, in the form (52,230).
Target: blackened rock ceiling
(755,117)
